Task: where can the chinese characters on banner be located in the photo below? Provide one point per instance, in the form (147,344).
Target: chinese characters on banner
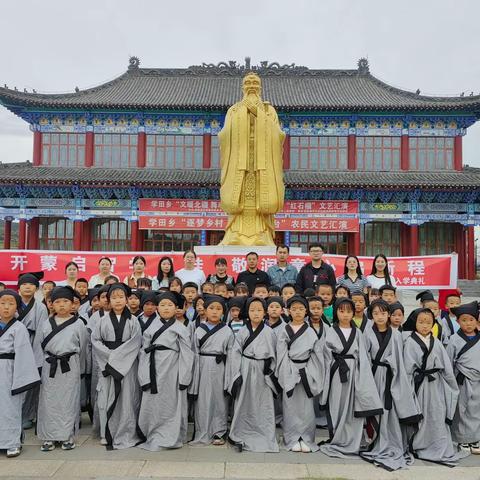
(434,271)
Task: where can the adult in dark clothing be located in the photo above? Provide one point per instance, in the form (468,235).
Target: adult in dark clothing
(252,275)
(316,272)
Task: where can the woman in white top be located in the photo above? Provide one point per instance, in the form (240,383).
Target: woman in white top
(380,273)
(165,273)
(138,266)
(71,272)
(190,273)
(105,267)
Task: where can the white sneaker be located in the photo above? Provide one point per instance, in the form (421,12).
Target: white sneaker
(475,448)
(305,447)
(464,447)
(14,452)
(297,447)
(103,441)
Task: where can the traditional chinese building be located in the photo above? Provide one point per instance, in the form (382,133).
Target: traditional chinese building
(100,154)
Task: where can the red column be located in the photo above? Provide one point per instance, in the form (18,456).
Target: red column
(142,150)
(134,243)
(37,148)
(352,152)
(77,234)
(404,153)
(460,249)
(89,149)
(354,244)
(404,240)
(457,153)
(32,237)
(22,234)
(207,150)
(86,245)
(413,237)
(286,153)
(7,234)
(470,253)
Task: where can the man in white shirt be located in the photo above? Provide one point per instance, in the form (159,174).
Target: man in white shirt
(190,273)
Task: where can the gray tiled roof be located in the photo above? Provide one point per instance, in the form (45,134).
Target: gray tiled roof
(209,87)
(25,173)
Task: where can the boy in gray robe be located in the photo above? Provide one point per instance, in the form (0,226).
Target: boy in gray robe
(385,349)
(164,372)
(60,348)
(212,343)
(350,393)
(253,383)
(116,342)
(18,372)
(464,353)
(300,372)
(431,373)
(32,313)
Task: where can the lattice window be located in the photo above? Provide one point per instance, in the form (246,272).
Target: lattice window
(167,241)
(215,154)
(436,238)
(378,153)
(333,243)
(13,235)
(55,234)
(115,150)
(175,151)
(63,149)
(431,153)
(318,153)
(380,237)
(110,235)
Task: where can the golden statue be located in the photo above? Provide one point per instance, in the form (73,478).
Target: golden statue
(251,157)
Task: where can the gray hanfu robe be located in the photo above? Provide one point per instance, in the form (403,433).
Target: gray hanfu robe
(116,343)
(350,394)
(431,373)
(277,328)
(32,315)
(209,385)
(63,355)
(300,372)
(252,384)
(464,353)
(388,449)
(145,322)
(164,372)
(18,374)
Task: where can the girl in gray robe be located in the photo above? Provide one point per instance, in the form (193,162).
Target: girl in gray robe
(31,313)
(385,348)
(350,394)
(116,342)
(18,372)
(431,373)
(212,343)
(300,372)
(164,372)
(464,353)
(252,383)
(60,347)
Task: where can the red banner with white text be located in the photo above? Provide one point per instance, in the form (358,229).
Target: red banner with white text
(432,271)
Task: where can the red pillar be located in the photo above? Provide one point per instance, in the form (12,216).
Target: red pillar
(460,249)
(404,153)
(89,149)
(22,234)
(32,237)
(77,234)
(404,240)
(413,237)
(86,244)
(354,244)
(142,150)
(470,240)
(207,150)
(134,234)
(37,148)
(352,152)
(7,234)
(286,153)
(457,153)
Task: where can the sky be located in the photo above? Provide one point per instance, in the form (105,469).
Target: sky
(54,46)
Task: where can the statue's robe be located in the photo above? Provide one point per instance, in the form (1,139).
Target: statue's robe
(252,188)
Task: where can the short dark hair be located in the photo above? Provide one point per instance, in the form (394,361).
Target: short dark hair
(105,258)
(144,282)
(274,288)
(69,264)
(251,253)
(220,261)
(220,284)
(317,288)
(261,285)
(189,285)
(282,245)
(315,245)
(81,280)
(139,257)
(189,251)
(110,277)
(287,285)
(49,281)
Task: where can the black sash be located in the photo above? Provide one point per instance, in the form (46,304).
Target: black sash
(7,356)
(219,357)
(469,343)
(152,348)
(422,373)
(377,362)
(340,364)
(64,360)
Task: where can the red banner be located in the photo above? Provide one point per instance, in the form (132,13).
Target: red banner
(192,222)
(309,207)
(434,271)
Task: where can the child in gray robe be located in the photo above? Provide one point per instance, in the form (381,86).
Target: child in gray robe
(18,372)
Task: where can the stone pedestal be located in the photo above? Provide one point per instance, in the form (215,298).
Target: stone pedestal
(220,250)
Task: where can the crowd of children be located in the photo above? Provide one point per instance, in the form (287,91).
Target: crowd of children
(240,362)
